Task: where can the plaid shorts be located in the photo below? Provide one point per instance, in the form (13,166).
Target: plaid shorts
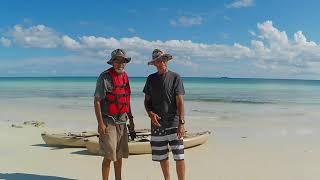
(161,138)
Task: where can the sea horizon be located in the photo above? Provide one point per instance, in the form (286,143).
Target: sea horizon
(203,77)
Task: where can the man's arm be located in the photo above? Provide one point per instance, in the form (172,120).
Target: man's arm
(97,108)
(131,123)
(148,106)
(180,106)
(147,103)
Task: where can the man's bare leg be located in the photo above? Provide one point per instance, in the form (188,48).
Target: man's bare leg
(117,169)
(181,169)
(165,169)
(105,168)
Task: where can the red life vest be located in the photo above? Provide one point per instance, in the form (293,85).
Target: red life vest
(119,98)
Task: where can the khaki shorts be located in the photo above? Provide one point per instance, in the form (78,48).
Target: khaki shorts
(114,144)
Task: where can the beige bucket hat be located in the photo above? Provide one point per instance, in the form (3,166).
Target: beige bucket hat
(158,54)
(119,53)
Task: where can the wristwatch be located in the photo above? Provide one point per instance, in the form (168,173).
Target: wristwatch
(181,121)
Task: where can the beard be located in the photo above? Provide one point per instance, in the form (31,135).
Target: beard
(119,70)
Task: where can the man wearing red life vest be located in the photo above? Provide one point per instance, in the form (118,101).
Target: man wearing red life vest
(112,108)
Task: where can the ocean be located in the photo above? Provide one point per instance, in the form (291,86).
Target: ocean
(207,99)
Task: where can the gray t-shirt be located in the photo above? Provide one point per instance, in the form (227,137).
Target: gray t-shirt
(163,90)
(104,85)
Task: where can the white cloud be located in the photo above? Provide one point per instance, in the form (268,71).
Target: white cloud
(279,54)
(99,42)
(188,63)
(181,49)
(276,38)
(300,39)
(59,65)
(5,42)
(274,51)
(70,43)
(240,4)
(271,49)
(38,36)
(258,47)
(187,21)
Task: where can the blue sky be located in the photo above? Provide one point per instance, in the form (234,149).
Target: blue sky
(235,38)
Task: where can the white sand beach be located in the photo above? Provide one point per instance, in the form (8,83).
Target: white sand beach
(235,151)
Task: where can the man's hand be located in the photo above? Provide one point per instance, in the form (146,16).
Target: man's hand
(131,125)
(102,128)
(154,118)
(181,131)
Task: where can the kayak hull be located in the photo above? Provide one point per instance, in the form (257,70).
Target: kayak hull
(67,140)
(191,140)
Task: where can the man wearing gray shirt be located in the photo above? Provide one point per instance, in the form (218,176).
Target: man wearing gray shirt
(112,108)
(164,104)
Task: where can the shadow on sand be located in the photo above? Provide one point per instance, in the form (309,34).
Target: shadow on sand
(51,147)
(23,176)
(84,152)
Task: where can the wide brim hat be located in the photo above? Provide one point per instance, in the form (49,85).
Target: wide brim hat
(158,54)
(119,53)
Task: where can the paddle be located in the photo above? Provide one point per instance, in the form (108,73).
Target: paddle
(79,136)
(82,135)
(133,134)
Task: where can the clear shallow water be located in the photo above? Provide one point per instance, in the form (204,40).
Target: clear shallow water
(208,90)
(221,99)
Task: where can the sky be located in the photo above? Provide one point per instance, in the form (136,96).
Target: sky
(220,38)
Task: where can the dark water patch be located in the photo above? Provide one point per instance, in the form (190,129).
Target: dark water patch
(203,111)
(231,101)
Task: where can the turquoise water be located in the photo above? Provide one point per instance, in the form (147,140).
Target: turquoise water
(208,90)
(68,101)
